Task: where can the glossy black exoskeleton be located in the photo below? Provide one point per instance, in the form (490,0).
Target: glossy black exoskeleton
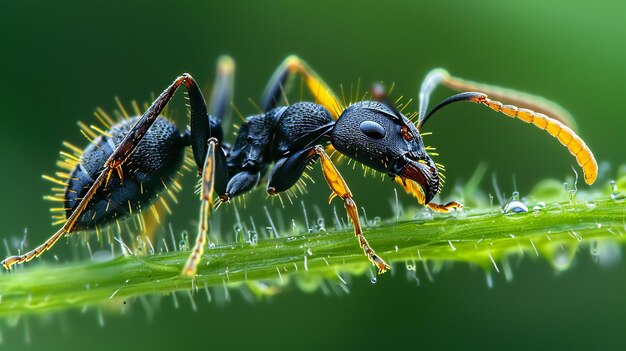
(147,171)
(125,169)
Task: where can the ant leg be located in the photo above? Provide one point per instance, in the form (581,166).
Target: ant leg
(214,164)
(412,188)
(223,88)
(218,109)
(241,183)
(532,102)
(113,164)
(288,170)
(206,123)
(274,90)
(452,205)
(340,188)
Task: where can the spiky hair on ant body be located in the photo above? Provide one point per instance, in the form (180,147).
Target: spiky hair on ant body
(152,171)
(278,144)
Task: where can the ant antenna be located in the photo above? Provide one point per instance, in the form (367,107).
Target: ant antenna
(468,96)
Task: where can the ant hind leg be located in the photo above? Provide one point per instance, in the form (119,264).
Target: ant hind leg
(113,165)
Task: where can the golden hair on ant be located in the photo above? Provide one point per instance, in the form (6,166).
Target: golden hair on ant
(124,169)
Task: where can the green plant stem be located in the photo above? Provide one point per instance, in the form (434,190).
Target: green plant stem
(478,238)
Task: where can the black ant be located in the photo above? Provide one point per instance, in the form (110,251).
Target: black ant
(125,168)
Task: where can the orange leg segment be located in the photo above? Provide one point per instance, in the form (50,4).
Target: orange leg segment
(340,188)
(316,85)
(452,205)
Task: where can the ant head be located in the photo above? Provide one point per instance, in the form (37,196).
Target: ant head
(380,137)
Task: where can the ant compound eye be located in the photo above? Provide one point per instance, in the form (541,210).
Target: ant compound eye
(372,129)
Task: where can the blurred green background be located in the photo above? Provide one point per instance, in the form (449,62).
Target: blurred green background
(62,59)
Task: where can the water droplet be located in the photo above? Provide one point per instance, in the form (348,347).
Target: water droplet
(211,246)
(292,238)
(373,280)
(182,245)
(593,249)
(609,253)
(571,194)
(321,224)
(538,208)
(515,196)
(562,255)
(254,239)
(554,208)
(514,206)
(615,194)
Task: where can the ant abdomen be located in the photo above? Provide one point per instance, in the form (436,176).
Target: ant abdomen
(147,172)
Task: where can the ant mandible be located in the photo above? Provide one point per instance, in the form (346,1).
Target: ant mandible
(125,168)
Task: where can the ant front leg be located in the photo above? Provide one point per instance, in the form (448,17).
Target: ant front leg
(289,169)
(113,164)
(340,188)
